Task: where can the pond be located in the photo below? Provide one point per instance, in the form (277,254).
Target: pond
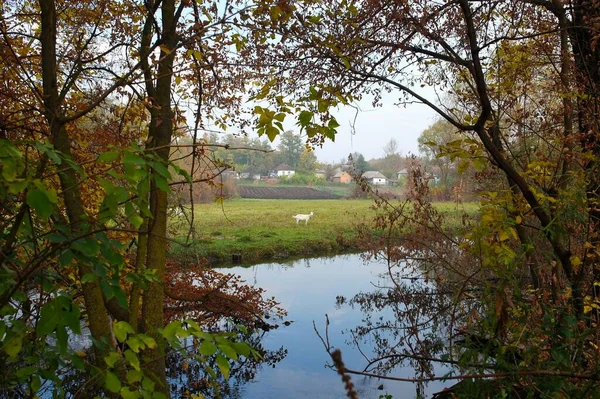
(307,289)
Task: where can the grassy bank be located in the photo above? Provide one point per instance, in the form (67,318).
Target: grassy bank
(263,230)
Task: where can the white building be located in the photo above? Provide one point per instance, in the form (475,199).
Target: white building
(284,170)
(375,178)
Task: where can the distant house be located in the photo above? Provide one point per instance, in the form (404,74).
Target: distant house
(320,173)
(230,175)
(342,177)
(402,173)
(284,170)
(375,178)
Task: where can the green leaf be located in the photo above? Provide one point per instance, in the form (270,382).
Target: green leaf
(62,338)
(242,348)
(305,118)
(148,341)
(161,169)
(36,384)
(170,331)
(223,365)
(26,371)
(88,278)
(108,156)
(50,151)
(120,295)
(134,376)
(112,382)
(333,124)
(40,202)
(272,132)
(133,159)
(126,393)
(13,345)
(207,348)
(71,318)
(112,359)
(88,246)
(132,359)
(229,352)
(147,384)
(17,186)
(9,169)
(77,362)
(322,105)
(56,237)
(162,183)
(121,329)
(48,319)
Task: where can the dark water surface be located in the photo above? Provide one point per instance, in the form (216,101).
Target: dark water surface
(307,289)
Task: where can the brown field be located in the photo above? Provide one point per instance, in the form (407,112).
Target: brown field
(307,193)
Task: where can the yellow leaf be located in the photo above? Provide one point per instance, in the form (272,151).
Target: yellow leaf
(587,309)
(518,220)
(165,49)
(487,218)
(576,261)
(502,235)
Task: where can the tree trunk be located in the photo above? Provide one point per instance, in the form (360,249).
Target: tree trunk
(160,134)
(98,317)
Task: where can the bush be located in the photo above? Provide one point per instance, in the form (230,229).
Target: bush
(303,179)
(209,191)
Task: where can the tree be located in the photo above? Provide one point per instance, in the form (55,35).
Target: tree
(539,219)
(433,143)
(358,162)
(391,148)
(80,80)
(290,148)
(307,163)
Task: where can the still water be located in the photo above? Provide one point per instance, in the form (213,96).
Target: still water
(307,289)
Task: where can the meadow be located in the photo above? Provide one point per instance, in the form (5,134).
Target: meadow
(253,230)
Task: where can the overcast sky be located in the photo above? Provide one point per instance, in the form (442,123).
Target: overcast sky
(374,129)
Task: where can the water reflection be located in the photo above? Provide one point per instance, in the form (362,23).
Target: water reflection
(308,290)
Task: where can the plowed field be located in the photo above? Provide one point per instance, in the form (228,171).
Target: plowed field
(283,193)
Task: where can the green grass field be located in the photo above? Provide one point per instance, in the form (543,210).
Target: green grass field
(264,229)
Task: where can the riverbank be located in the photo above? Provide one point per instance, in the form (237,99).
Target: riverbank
(250,231)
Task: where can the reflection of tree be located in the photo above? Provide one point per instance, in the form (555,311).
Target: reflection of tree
(427,309)
(221,303)
(189,375)
(406,322)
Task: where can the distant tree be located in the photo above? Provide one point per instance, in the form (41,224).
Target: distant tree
(359,162)
(260,162)
(432,142)
(389,166)
(290,148)
(330,170)
(391,148)
(307,163)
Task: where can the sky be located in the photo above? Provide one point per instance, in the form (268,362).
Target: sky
(374,127)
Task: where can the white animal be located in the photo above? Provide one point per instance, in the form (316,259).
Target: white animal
(304,217)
